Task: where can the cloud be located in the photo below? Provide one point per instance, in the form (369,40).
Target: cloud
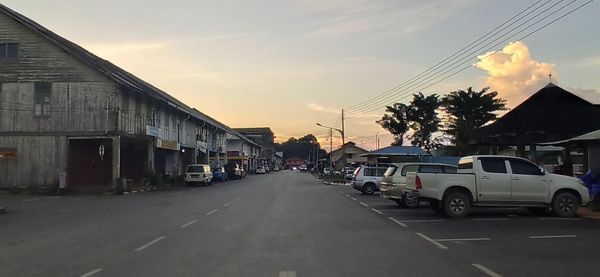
(350,17)
(514,74)
(319,108)
(590,95)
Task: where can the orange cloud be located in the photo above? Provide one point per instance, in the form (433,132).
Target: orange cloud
(514,74)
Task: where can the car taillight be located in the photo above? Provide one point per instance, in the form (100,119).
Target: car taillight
(418,184)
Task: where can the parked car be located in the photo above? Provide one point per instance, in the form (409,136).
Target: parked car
(303,168)
(328,171)
(499,181)
(367,179)
(349,174)
(261,170)
(219,174)
(233,171)
(393,184)
(276,169)
(198,173)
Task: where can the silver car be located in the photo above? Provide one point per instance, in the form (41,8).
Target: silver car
(367,179)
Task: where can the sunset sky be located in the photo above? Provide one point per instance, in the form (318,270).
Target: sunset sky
(287,64)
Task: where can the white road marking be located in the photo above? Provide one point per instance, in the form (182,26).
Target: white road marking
(553,237)
(353,198)
(491,219)
(213,211)
(31,199)
(422,220)
(148,244)
(227,204)
(558,218)
(237,199)
(432,241)
(363,204)
(92,272)
(377,211)
(487,270)
(397,222)
(189,223)
(463,239)
(287,273)
(396,210)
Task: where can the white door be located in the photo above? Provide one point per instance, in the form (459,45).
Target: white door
(528,181)
(493,181)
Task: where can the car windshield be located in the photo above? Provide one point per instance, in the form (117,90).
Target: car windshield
(195,168)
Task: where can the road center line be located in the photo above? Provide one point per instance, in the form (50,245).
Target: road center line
(188,224)
(491,219)
(422,220)
(363,204)
(353,198)
(432,241)
(487,270)
(227,204)
(463,239)
(553,237)
(397,222)
(237,199)
(377,211)
(148,244)
(212,212)
(92,272)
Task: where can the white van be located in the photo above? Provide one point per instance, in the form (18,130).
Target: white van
(198,173)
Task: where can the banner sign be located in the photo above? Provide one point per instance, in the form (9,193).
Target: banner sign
(152,131)
(168,144)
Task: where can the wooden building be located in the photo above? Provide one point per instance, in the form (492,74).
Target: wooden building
(67,112)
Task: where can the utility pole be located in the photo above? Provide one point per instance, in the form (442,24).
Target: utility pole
(344,158)
(377,141)
(330,148)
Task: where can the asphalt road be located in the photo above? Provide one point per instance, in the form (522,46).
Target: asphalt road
(282,224)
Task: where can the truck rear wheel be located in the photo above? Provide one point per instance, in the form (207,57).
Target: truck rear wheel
(457,204)
(565,204)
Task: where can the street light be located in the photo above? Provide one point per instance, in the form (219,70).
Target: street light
(330,142)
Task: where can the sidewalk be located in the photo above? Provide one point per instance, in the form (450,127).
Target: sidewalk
(587,212)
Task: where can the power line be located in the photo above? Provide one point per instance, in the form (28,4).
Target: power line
(444,60)
(374,107)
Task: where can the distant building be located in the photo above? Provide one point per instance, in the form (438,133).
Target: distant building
(396,154)
(265,138)
(353,155)
(294,162)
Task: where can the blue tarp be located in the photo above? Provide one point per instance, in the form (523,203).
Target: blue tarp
(591,182)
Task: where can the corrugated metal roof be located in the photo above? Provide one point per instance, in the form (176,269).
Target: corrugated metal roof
(397,151)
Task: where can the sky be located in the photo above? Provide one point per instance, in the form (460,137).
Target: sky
(288,64)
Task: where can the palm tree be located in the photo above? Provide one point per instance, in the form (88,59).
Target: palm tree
(467,112)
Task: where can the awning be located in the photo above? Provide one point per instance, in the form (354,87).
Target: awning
(594,135)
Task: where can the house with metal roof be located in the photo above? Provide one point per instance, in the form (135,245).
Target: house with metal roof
(396,154)
(69,118)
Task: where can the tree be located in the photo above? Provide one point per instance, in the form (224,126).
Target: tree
(395,122)
(303,147)
(467,112)
(423,120)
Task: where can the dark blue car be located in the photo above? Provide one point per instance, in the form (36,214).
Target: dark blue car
(219,174)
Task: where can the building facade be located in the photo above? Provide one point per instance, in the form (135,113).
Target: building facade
(264,137)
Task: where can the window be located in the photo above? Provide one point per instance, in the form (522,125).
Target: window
(349,155)
(493,165)
(369,172)
(431,169)
(9,51)
(450,169)
(524,167)
(41,101)
(409,168)
(465,163)
(390,171)
(380,172)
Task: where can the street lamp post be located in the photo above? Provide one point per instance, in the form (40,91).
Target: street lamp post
(330,143)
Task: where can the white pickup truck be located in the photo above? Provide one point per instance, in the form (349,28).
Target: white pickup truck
(499,181)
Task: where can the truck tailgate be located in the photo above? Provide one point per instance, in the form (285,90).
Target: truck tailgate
(433,185)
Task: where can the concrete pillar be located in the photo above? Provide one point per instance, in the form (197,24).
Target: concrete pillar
(150,159)
(116,158)
(533,153)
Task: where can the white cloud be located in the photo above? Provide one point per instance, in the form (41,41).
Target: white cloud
(590,95)
(319,108)
(514,74)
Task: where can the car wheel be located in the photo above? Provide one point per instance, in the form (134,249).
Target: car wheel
(369,189)
(565,204)
(410,201)
(457,204)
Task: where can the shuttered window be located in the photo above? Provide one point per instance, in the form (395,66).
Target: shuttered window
(41,101)
(9,51)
